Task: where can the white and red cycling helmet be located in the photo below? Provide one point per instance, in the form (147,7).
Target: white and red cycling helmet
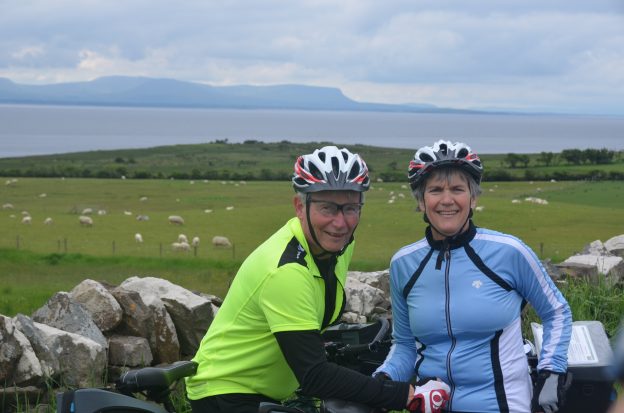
(330,169)
(427,158)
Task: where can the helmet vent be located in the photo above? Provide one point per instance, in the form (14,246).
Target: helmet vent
(316,172)
(345,156)
(321,156)
(353,172)
(425,157)
(335,166)
(463,152)
(444,149)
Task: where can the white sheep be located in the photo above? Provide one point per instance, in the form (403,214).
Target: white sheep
(101,212)
(176,220)
(47,221)
(229,208)
(127,213)
(220,241)
(195,242)
(181,246)
(87,211)
(7,206)
(138,238)
(142,218)
(182,238)
(85,220)
(26,219)
(143,199)
(479,209)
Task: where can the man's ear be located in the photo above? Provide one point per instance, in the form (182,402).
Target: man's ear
(299,207)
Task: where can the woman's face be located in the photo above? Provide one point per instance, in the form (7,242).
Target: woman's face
(447,203)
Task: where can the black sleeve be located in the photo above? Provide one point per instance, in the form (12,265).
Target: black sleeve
(305,354)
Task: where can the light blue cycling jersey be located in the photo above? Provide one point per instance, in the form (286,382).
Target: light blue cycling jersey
(456,316)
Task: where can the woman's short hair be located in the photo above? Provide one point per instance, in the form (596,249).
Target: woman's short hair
(446,173)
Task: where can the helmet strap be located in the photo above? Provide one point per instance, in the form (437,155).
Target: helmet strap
(324,253)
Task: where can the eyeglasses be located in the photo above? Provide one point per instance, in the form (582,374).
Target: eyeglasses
(331,209)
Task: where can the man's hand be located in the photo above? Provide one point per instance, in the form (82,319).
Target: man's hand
(430,396)
(549,392)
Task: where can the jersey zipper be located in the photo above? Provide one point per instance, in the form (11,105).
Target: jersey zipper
(449,329)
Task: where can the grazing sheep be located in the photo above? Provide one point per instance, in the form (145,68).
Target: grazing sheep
(219,241)
(182,238)
(7,206)
(101,212)
(127,213)
(85,220)
(47,221)
(43,195)
(181,246)
(142,218)
(26,219)
(143,199)
(176,220)
(479,209)
(195,242)
(87,211)
(138,238)
(229,208)
(207,211)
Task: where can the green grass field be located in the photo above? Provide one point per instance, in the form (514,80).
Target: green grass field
(56,257)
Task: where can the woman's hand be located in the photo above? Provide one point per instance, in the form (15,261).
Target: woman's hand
(429,396)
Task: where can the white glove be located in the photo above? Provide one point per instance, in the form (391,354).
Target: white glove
(430,396)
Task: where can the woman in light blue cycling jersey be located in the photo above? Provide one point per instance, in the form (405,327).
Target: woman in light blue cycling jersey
(458,295)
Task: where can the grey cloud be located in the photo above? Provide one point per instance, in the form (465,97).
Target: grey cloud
(441,43)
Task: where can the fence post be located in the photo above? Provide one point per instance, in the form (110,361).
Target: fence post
(195,251)
(65,245)
(58,245)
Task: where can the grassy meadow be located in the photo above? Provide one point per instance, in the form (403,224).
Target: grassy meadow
(37,260)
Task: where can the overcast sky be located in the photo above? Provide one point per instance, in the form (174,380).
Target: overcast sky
(555,55)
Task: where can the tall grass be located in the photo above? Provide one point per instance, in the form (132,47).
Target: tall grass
(589,301)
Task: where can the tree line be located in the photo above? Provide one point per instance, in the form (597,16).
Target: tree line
(570,156)
(512,167)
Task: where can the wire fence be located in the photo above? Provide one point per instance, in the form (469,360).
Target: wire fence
(102,248)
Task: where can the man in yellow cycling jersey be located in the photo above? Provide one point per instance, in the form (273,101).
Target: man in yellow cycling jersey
(265,341)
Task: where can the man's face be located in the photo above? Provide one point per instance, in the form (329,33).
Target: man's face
(334,215)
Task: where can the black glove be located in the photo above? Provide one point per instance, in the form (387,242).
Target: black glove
(549,392)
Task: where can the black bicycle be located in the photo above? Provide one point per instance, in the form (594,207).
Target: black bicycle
(154,384)
(361,347)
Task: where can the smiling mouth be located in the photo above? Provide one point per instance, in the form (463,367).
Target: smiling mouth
(335,235)
(447,213)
